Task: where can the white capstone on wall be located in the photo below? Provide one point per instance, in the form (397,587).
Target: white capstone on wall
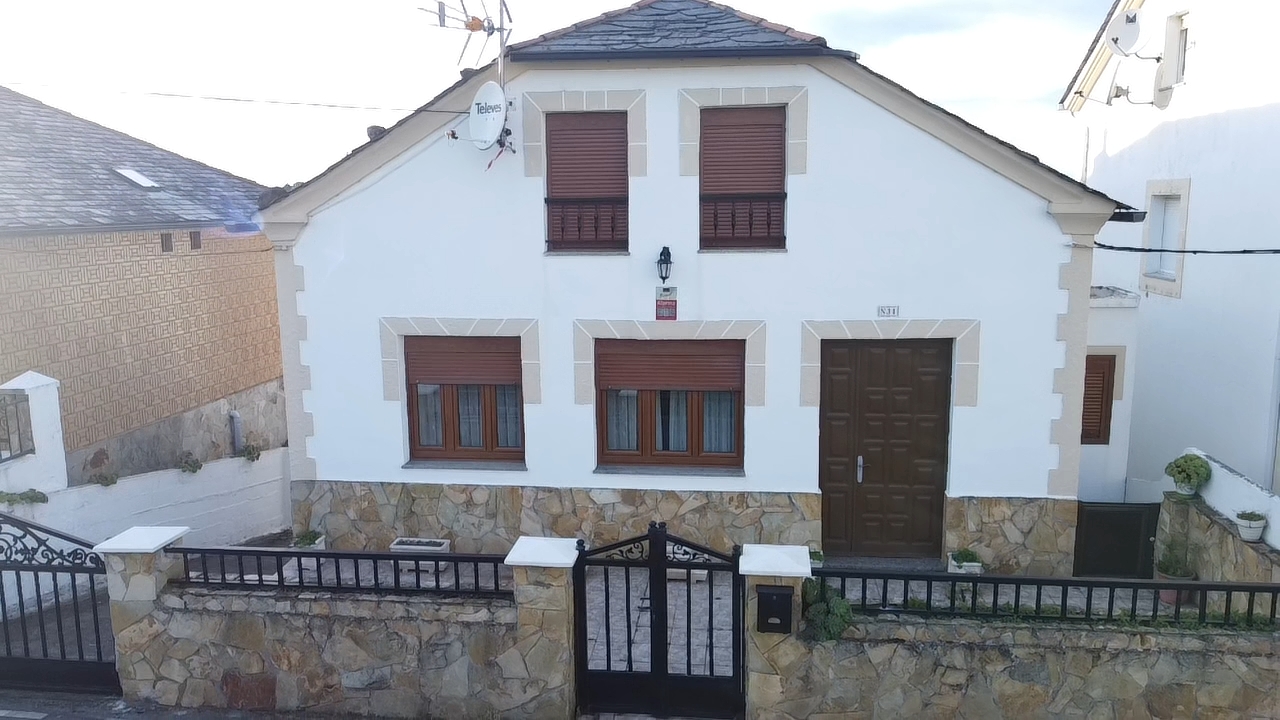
(1209,362)
(883,215)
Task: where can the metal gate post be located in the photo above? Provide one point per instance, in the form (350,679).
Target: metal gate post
(580,624)
(658,602)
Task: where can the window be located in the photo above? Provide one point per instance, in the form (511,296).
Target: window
(587,181)
(1166,231)
(1173,63)
(194,237)
(669,402)
(464,398)
(166,242)
(743,175)
(1099,394)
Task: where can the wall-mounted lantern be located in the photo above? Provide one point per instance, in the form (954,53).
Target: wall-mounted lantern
(664,264)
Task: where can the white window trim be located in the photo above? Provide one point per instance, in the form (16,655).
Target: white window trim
(536,105)
(1160,283)
(1174,54)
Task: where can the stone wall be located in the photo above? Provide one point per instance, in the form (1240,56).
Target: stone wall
(902,668)
(1015,536)
(205,432)
(387,655)
(134,334)
(1215,549)
(484,518)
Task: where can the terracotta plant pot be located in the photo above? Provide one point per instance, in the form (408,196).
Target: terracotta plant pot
(1181,597)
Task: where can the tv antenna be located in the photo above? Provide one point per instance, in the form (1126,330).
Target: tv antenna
(460,18)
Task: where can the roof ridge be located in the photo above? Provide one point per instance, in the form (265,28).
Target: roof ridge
(759,21)
(123,134)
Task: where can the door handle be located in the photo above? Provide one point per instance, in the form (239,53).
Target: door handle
(859,469)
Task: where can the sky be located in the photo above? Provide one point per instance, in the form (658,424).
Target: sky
(1001,64)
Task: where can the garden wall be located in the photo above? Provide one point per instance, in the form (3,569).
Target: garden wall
(892,667)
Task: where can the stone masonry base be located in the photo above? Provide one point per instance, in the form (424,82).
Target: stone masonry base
(483,518)
(1015,536)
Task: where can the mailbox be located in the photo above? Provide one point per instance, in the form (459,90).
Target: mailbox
(773,606)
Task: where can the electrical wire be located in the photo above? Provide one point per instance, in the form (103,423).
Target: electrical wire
(1245,251)
(262,101)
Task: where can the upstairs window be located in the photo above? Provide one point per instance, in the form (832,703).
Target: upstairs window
(669,402)
(464,398)
(587,181)
(1165,217)
(743,172)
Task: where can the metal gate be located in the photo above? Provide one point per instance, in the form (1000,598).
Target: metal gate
(658,628)
(1116,539)
(55,618)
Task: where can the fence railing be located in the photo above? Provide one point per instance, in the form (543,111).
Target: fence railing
(743,220)
(334,570)
(15,425)
(1148,602)
(587,223)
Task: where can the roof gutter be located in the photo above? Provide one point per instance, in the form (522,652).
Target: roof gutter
(771,52)
(1127,214)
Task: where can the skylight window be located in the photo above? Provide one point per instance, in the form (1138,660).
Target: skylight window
(137,178)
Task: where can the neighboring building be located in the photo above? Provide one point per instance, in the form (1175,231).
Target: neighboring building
(1184,123)
(878,341)
(137,279)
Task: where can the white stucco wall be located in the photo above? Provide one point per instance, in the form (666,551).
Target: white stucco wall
(885,215)
(45,469)
(1113,323)
(1207,372)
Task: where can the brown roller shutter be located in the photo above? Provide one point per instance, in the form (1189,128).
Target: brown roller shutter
(670,364)
(462,361)
(586,155)
(744,150)
(1099,393)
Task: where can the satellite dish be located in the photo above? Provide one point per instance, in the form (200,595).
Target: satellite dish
(1123,33)
(488,115)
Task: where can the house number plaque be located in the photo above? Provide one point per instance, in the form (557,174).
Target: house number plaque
(887,311)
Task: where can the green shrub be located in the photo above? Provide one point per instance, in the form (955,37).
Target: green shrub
(26,497)
(1173,561)
(965,555)
(826,613)
(1250,515)
(188,463)
(251,452)
(1190,471)
(307,539)
(104,479)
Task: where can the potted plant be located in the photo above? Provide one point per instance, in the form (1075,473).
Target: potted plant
(1250,523)
(1173,565)
(1190,473)
(816,557)
(965,561)
(310,540)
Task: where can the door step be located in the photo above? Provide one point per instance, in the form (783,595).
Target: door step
(886,564)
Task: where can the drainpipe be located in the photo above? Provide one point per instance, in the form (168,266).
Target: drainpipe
(237,432)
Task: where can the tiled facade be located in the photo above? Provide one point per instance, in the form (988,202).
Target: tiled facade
(134,334)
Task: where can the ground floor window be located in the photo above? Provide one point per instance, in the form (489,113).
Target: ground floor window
(667,402)
(464,398)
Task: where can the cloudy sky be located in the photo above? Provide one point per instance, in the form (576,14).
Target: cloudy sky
(1001,64)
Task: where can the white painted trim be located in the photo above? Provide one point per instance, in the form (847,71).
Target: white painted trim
(775,561)
(141,540)
(543,552)
(1170,287)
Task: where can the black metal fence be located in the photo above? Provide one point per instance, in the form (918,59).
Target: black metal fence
(1146,602)
(55,619)
(448,573)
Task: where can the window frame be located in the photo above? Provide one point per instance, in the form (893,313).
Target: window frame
(1108,404)
(647,455)
(617,206)
(754,201)
(450,449)
(1160,282)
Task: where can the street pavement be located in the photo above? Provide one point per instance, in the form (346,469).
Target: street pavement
(19,705)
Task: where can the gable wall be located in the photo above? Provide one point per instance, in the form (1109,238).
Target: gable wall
(882,214)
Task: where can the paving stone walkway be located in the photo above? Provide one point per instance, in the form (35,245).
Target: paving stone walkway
(699,621)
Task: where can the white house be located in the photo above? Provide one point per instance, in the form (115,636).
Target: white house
(872,337)
(1177,115)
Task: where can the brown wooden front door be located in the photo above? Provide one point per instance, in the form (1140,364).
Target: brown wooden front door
(888,404)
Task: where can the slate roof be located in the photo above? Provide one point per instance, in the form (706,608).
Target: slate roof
(57,173)
(672,28)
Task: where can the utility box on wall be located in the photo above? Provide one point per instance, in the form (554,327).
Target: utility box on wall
(773,609)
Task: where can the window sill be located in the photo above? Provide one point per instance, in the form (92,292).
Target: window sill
(605,253)
(1161,276)
(725,251)
(682,471)
(499,465)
